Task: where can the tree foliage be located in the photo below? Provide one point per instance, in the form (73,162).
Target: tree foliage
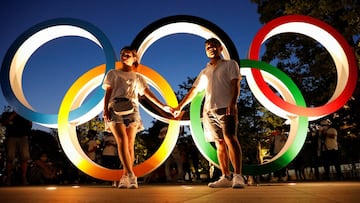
(307,62)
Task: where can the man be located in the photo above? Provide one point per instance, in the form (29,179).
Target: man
(18,129)
(221,81)
(91,145)
(110,158)
(330,153)
(278,140)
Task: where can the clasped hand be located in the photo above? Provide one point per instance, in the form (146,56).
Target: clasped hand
(175,112)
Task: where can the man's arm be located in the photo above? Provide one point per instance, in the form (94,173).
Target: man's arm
(188,97)
(235,92)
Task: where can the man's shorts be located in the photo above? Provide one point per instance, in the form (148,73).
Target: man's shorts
(219,123)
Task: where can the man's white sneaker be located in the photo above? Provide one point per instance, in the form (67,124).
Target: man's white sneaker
(133,182)
(222,182)
(238,181)
(124,182)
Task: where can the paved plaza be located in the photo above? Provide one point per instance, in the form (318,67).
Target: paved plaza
(317,192)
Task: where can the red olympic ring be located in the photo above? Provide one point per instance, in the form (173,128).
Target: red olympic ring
(334,103)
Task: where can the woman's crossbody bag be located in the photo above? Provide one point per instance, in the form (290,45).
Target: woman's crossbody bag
(122,106)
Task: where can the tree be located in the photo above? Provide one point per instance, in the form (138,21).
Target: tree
(256,124)
(307,62)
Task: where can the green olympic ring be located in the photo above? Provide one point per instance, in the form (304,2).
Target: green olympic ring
(292,146)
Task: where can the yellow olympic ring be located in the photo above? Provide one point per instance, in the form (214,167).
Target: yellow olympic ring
(67,131)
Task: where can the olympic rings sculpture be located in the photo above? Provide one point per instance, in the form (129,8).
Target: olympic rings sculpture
(259,75)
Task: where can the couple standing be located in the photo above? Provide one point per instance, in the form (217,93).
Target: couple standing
(221,81)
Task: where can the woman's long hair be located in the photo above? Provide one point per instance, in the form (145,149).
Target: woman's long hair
(134,53)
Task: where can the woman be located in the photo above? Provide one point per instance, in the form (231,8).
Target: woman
(120,84)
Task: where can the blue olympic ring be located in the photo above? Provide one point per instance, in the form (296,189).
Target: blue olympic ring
(51,119)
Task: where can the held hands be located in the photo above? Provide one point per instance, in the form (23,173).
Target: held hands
(168,109)
(176,112)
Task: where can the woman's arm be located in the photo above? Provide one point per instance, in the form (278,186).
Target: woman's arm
(107,96)
(151,96)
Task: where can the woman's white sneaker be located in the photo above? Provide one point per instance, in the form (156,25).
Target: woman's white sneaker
(124,182)
(133,182)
